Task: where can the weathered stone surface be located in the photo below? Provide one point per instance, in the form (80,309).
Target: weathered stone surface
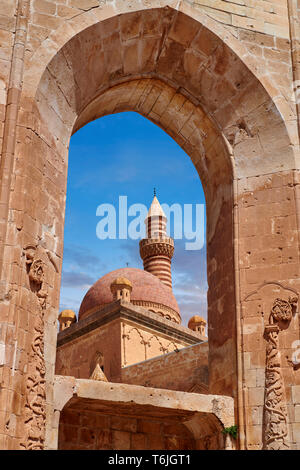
(147,418)
(219,77)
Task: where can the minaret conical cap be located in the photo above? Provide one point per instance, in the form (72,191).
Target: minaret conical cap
(157,249)
(155,209)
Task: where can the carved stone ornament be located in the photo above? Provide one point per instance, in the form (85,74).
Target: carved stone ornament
(148,249)
(160,307)
(275,409)
(35,395)
(282,310)
(98,374)
(36,272)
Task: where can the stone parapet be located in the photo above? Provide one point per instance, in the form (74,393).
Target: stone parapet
(122,309)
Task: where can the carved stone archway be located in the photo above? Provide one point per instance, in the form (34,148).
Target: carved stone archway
(187,74)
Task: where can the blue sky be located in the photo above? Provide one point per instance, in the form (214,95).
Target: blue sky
(126,155)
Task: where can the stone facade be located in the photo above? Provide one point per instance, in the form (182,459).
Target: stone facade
(124,334)
(185,370)
(222,79)
(147,418)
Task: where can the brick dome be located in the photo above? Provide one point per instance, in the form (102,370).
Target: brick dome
(146,288)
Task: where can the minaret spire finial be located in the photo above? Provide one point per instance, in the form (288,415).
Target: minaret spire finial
(154,192)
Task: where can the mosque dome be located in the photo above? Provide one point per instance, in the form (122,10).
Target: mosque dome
(147,291)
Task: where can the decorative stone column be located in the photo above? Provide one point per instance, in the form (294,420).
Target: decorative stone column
(35,394)
(275,429)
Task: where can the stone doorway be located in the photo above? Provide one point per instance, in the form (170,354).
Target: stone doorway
(146,418)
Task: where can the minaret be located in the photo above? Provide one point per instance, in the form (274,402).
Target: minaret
(157,249)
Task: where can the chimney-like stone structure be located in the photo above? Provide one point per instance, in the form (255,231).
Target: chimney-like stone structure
(121,289)
(198,324)
(157,249)
(66,318)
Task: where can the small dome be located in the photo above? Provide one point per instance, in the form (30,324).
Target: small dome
(67,314)
(121,281)
(196,320)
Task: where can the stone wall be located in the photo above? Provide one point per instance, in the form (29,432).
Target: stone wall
(185,370)
(118,340)
(140,343)
(85,430)
(76,358)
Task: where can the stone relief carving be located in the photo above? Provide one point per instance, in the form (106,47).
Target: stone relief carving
(275,408)
(149,248)
(146,342)
(273,306)
(97,367)
(35,395)
(98,374)
(36,272)
(126,335)
(175,347)
(156,306)
(162,348)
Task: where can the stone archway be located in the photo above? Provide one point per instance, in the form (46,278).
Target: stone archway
(182,71)
(146,418)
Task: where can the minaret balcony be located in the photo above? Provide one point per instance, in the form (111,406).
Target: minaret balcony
(163,246)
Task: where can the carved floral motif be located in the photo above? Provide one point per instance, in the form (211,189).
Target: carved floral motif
(36,272)
(148,249)
(35,412)
(275,409)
